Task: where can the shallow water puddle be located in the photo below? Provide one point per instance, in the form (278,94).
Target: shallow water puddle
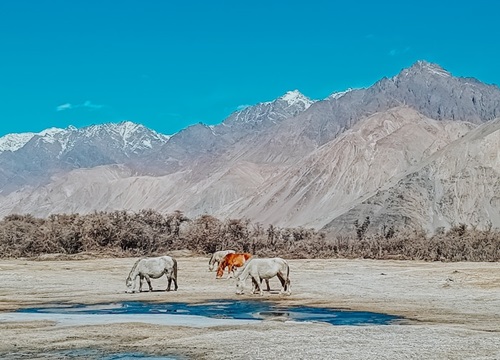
(209,313)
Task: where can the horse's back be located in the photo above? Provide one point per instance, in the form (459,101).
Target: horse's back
(156,266)
(223,253)
(268,266)
(237,259)
(168,262)
(219,255)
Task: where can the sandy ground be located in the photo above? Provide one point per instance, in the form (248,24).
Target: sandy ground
(454,311)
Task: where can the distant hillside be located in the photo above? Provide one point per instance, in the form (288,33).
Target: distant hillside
(419,149)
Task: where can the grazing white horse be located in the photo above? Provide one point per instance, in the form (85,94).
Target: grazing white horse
(217,258)
(152,268)
(264,269)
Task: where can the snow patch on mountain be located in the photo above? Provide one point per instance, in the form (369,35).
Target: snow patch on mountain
(339,94)
(15,141)
(296,97)
(132,137)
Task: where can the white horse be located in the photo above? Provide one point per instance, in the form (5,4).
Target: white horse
(152,268)
(217,258)
(264,269)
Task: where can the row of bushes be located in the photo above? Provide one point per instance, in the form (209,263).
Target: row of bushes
(149,232)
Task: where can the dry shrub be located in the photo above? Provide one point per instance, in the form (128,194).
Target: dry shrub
(149,232)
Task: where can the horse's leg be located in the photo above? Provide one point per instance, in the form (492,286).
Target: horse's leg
(171,277)
(267,284)
(140,283)
(229,270)
(149,282)
(257,283)
(282,281)
(254,285)
(168,274)
(285,282)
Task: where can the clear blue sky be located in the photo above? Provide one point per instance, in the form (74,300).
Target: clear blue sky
(169,64)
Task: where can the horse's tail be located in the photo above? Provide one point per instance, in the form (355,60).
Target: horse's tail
(175,269)
(287,281)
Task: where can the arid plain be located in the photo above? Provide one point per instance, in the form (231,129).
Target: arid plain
(452,311)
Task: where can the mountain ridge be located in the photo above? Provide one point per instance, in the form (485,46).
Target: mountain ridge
(292,161)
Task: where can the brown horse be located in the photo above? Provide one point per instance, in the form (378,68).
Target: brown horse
(232,261)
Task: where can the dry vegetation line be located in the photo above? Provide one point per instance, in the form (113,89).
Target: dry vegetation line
(150,233)
(456,305)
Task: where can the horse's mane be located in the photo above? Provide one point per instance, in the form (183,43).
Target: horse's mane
(133,269)
(244,272)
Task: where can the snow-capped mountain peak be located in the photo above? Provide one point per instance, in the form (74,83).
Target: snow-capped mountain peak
(52,131)
(15,141)
(270,112)
(129,137)
(295,97)
(127,129)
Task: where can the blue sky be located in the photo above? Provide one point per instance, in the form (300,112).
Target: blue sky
(169,64)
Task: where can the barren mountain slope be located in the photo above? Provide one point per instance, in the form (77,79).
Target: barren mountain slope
(312,192)
(459,184)
(347,169)
(116,187)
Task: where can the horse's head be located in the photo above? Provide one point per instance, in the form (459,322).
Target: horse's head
(211,267)
(240,284)
(129,282)
(220,269)
(237,271)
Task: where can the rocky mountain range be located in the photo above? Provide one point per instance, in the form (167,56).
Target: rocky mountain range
(32,158)
(420,149)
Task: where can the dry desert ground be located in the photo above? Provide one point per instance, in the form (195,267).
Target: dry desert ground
(452,311)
